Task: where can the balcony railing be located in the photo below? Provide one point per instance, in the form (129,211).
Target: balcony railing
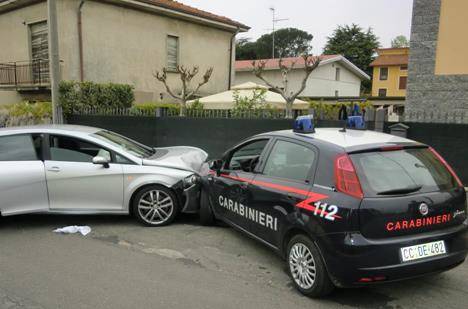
(25,73)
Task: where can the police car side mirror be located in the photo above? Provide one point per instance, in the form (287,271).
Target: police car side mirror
(216,165)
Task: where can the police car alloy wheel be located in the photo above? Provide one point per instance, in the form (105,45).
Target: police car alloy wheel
(306,268)
(155,206)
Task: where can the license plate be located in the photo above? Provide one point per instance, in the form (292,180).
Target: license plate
(422,251)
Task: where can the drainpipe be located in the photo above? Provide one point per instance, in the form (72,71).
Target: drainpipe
(230,56)
(80,40)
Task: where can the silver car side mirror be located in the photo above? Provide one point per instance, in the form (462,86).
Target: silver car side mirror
(102,161)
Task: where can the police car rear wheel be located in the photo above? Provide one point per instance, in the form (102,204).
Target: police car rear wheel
(206,213)
(306,268)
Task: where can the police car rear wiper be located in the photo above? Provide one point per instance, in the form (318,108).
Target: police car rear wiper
(400,190)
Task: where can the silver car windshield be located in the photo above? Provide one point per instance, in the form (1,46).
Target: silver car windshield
(125,144)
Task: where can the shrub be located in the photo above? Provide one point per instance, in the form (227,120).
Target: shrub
(78,95)
(150,108)
(196,106)
(25,113)
(330,111)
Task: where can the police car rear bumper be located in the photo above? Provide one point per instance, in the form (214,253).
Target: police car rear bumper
(353,260)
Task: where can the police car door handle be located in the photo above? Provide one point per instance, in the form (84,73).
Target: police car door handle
(244,185)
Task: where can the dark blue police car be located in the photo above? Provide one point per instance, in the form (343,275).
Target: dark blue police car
(343,207)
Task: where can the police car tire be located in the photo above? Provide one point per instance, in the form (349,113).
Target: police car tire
(206,214)
(322,285)
(160,188)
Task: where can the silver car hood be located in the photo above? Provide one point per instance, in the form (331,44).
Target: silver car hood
(183,157)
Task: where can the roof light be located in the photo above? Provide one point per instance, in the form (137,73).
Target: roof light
(346,178)
(447,166)
(356,122)
(304,124)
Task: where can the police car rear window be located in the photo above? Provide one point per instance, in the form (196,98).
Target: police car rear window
(401,172)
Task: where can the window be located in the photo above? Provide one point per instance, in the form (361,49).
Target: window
(383,73)
(402,84)
(382,92)
(289,160)
(337,74)
(126,144)
(172,52)
(69,149)
(246,157)
(17,148)
(392,170)
(404,67)
(39,51)
(337,93)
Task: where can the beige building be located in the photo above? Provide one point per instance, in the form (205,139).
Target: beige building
(120,41)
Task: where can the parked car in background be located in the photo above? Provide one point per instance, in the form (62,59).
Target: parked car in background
(345,208)
(67,169)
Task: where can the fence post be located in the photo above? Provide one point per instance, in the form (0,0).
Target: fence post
(380,119)
(158,112)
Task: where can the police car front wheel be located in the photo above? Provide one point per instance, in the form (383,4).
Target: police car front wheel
(306,267)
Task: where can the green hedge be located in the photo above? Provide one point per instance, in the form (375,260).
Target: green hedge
(77,95)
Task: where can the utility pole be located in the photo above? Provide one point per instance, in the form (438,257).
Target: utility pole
(54,61)
(275,21)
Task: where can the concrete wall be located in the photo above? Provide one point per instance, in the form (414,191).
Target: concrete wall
(14,32)
(321,82)
(431,97)
(453,27)
(124,45)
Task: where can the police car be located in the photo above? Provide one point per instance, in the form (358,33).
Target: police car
(344,207)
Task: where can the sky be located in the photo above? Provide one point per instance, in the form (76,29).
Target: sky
(388,18)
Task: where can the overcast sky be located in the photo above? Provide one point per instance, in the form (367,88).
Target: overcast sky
(388,18)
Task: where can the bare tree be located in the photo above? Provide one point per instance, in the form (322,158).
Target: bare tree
(310,64)
(186,75)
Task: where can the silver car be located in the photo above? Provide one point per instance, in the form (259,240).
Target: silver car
(66,169)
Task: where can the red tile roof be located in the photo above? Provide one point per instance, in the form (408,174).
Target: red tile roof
(388,60)
(273,63)
(180,7)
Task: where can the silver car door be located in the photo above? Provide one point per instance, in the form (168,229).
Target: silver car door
(75,183)
(22,178)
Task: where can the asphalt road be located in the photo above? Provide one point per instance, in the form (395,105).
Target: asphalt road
(123,265)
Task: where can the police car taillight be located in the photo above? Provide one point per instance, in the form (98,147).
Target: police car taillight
(346,178)
(447,166)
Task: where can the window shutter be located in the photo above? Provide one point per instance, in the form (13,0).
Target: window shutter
(172,52)
(39,41)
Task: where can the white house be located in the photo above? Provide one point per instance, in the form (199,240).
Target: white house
(336,76)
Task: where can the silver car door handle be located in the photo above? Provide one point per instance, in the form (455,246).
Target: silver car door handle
(54,169)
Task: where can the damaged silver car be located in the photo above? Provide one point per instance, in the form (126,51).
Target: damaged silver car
(66,169)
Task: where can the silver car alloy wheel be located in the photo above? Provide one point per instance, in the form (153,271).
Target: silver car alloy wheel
(302,265)
(155,207)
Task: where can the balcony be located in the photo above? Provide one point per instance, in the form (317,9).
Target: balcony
(25,75)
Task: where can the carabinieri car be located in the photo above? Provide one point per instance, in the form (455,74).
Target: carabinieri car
(65,169)
(344,207)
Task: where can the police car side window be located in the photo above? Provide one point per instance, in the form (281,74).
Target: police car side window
(246,157)
(289,160)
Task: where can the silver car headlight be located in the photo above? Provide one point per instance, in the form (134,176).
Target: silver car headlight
(191,180)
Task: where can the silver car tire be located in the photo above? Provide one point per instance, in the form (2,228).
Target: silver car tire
(306,267)
(155,206)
